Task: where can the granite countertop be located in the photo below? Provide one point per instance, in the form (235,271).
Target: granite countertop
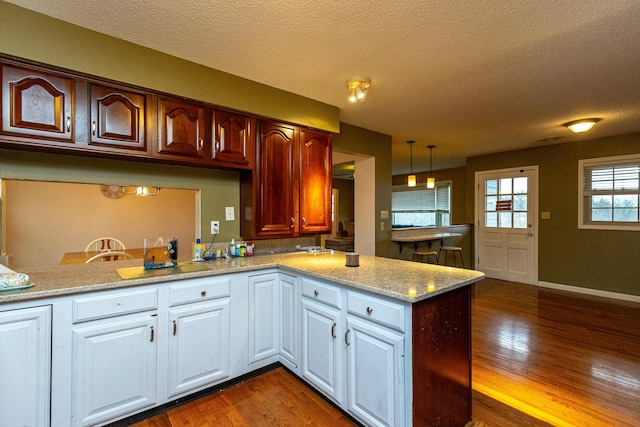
(399,279)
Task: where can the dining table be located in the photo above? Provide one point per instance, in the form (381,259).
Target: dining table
(429,238)
(82,257)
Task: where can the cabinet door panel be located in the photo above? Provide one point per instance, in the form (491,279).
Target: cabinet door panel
(375,374)
(25,366)
(264,312)
(233,138)
(289,321)
(315,182)
(115,368)
(117,118)
(277,182)
(181,128)
(322,364)
(198,346)
(37,104)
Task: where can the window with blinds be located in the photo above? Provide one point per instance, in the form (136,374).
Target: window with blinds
(421,207)
(610,193)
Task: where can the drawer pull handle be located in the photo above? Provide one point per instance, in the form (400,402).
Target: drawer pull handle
(175,328)
(369,310)
(333,330)
(152,333)
(316,292)
(346,337)
(203,293)
(68,124)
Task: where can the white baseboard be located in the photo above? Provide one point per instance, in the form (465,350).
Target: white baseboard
(588,291)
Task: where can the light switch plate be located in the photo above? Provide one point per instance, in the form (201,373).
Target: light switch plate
(384,214)
(545,215)
(229,213)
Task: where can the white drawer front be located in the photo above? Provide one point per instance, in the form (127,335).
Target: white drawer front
(322,292)
(116,304)
(199,290)
(377,310)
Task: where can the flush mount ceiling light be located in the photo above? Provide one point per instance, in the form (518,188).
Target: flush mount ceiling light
(141,191)
(431,181)
(358,89)
(582,125)
(411,179)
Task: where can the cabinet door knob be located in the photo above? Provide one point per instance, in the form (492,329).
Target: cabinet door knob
(152,334)
(369,310)
(175,328)
(93,128)
(346,337)
(293,222)
(333,330)
(68,124)
(304,222)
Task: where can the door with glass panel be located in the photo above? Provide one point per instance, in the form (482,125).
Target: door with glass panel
(506,214)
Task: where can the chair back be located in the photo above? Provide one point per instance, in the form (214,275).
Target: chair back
(104,244)
(109,256)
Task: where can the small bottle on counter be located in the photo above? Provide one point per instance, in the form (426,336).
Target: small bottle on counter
(249,248)
(232,248)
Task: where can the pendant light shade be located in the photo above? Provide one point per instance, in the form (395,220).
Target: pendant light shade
(431,181)
(411,179)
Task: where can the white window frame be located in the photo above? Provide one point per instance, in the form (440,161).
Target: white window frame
(583,213)
(448,183)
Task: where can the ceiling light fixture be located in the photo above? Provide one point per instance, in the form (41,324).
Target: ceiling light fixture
(582,125)
(141,191)
(358,89)
(411,179)
(431,181)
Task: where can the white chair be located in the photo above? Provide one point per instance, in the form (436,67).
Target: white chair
(109,256)
(104,244)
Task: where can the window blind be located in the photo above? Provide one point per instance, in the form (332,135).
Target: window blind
(612,178)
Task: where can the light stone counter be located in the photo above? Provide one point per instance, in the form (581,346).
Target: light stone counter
(403,280)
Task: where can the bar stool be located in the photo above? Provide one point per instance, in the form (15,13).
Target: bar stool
(423,254)
(453,249)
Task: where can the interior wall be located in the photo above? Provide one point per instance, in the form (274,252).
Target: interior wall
(377,147)
(345,199)
(44,220)
(595,259)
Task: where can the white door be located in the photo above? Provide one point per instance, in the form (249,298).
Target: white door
(264,314)
(506,217)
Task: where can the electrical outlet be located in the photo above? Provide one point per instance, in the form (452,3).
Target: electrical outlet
(215,227)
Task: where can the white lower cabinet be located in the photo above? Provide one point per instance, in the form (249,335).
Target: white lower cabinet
(25,366)
(198,346)
(357,349)
(273,320)
(114,369)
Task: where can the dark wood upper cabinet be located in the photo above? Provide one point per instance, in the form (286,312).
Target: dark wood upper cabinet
(117,118)
(276,191)
(315,182)
(233,139)
(37,104)
(181,128)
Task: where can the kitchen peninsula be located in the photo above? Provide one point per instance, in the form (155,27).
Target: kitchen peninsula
(388,341)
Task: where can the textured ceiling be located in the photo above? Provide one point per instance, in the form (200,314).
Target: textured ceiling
(470,77)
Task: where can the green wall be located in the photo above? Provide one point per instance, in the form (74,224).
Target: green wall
(37,37)
(357,140)
(596,259)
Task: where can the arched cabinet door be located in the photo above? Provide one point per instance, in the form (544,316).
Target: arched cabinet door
(37,104)
(233,139)
(315,182)
(117,118)
(181,128)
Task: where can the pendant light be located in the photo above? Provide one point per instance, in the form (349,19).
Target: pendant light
(431,181)
(411,180)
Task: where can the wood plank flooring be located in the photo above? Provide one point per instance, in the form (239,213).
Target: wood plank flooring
(541,357)
(564,359)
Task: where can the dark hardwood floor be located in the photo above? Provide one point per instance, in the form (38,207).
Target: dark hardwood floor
(541,357)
